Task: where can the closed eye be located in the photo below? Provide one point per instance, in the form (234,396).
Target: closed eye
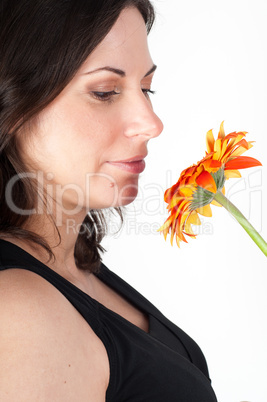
(104,96)
(107,96)
(148,92)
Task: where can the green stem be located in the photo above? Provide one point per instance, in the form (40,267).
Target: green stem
(261,243)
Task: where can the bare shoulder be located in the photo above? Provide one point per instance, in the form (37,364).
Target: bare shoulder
(48,351)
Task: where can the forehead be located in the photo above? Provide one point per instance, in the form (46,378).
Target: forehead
(126,43)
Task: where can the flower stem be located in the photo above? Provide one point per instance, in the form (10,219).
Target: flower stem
(261,243)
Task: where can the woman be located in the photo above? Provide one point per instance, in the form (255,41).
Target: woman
(75,122)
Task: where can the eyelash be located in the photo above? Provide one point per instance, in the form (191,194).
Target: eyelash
(148,92)
(108,96)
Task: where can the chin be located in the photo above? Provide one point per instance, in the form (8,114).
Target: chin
(127,194)
(113,200)
(110,194)
(126,201)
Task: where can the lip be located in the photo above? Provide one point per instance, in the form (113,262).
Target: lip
(135,165)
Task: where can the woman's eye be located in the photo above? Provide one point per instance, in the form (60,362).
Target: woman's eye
(108,96)
(104,96)
(148,92)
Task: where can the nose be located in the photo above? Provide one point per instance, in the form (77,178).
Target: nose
(141,120)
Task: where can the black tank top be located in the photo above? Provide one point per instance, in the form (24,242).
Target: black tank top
(164,365)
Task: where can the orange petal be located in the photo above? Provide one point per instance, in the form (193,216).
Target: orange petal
(188,230)
(242,162)
(212,165)
(224,148)
(188,172)
(186,191)
(232,173)
(205,211)
(236,136)
(217,149)
(210,141)
(193,219)
(221,132)
(175,201)
(206,181)
(165,226)
(237,149)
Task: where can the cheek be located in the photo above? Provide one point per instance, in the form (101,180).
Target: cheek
(92,129)
(78,136)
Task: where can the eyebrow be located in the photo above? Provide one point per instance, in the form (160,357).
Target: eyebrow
(153,68)
(119,72)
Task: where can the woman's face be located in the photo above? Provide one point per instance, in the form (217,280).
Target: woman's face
(90,142)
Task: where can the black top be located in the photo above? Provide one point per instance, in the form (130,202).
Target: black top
(164,365)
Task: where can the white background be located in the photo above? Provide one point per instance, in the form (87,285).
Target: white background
(212,66)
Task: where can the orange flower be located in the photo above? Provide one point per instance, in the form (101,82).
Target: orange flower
(197,186)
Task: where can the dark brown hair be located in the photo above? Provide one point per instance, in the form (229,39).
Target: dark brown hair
(42,45)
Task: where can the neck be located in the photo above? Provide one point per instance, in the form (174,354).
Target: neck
(61,236)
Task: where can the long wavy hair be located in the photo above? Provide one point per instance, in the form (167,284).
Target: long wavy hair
(42,45)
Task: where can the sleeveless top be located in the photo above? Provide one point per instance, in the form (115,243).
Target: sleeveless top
(163,365)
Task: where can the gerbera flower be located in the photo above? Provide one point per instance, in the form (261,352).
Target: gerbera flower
(202,184)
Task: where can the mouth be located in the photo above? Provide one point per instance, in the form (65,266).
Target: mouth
(135,165)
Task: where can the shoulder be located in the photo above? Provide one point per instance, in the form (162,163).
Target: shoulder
(22,290)
(47,349)
(25,295)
